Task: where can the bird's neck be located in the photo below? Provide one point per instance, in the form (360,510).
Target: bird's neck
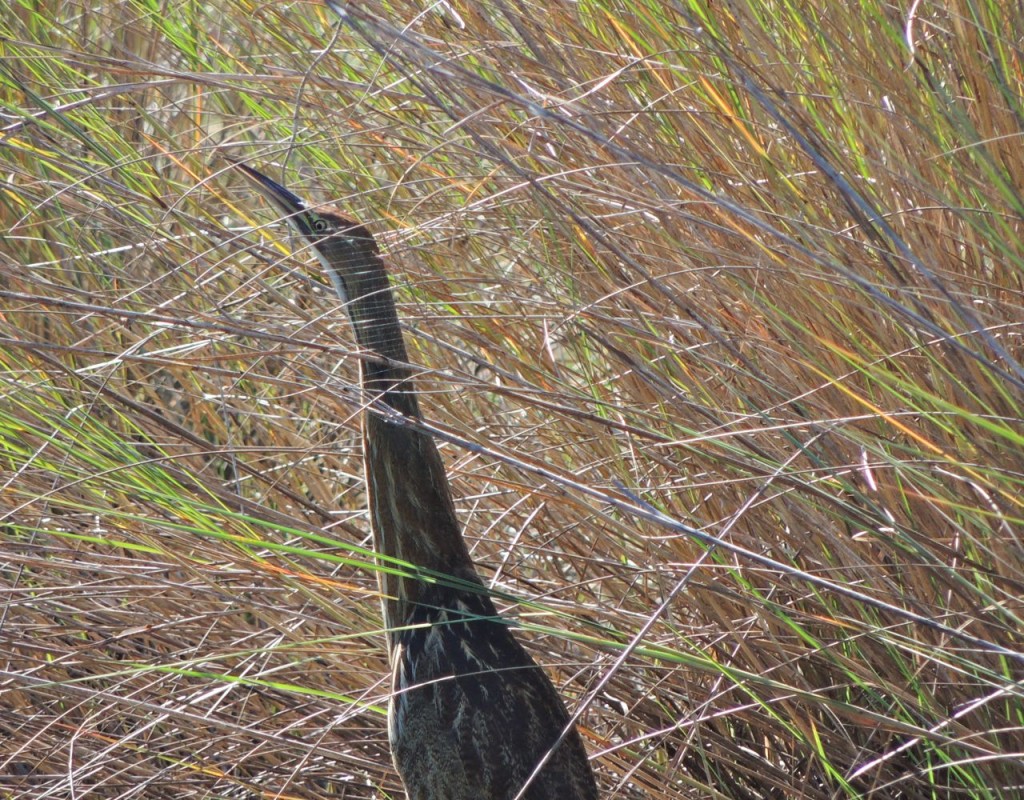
(411,510)
(388,387)
(384,376)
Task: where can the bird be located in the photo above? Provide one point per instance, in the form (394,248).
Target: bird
(471,716)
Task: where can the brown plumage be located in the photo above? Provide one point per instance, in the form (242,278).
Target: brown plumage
(471,716)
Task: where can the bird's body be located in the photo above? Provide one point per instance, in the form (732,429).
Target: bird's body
(471,716)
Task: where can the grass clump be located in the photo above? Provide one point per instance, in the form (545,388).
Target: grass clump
(718,312)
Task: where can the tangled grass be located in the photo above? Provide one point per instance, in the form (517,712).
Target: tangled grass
(717,309)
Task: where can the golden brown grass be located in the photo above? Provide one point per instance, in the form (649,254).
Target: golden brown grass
(719,315)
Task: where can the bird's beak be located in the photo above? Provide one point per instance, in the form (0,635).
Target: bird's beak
(290,205)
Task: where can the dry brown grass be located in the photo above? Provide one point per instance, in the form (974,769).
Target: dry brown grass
(719,316)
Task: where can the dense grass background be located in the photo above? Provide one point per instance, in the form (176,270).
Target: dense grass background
(718,310)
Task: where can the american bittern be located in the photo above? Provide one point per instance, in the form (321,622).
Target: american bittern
(472,716)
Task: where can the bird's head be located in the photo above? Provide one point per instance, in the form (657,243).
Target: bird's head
(347,251)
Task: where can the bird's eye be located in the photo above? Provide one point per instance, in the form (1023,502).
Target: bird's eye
(319,225)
